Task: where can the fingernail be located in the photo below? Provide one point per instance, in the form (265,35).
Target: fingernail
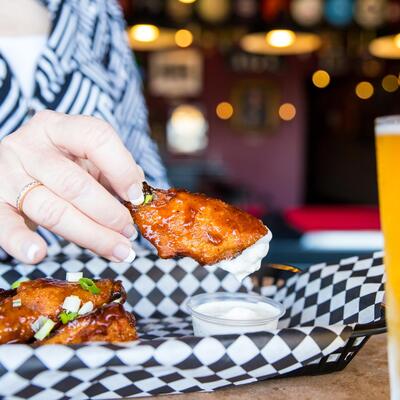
(124,253)
(31,251)
(130,232)
(135,194)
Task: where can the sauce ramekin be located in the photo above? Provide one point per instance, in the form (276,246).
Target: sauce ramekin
(208,325)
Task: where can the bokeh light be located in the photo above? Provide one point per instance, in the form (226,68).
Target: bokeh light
(307,12)
(287,111)
(213,11)
(321,79)
(386,47)
(187,1)
(144,33)
(390,83)
(183,38)
(397,40)
(364,90)
(224,110)
(280,37)
(371,68)
(187,129)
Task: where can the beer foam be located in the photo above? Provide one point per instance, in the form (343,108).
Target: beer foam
(387,129)
(388,125)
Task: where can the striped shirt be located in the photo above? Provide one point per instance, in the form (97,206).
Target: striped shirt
(86,68)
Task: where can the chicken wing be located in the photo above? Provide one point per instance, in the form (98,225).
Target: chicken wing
(179,223)
(110,323)
(44,297)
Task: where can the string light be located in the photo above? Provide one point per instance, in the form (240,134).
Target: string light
(364,90)
(280,42)
(144,33)
(321,79)
(183,38)
(280,38)
(390,83)
(287,111)
(224,110)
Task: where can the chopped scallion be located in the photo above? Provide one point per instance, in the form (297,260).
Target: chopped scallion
(16,303)
(89,285)
(38,323)
(71,303)
(16,284)
(74,276)
(44,331)
(148,198)
(86,308)
(66,317)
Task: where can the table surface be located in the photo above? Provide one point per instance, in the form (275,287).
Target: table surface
(366,378)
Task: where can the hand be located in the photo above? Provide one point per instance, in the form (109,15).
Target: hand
(75,158)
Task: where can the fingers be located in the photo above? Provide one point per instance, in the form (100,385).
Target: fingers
(17,239)
(96,140)
(72,183)
(72,202)
(50,211)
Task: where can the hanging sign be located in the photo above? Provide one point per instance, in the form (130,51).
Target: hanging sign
(176,73)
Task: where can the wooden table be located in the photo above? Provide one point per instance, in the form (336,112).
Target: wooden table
(365,378)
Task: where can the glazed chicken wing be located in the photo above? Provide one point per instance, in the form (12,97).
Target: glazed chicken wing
(179,223)
(110,323)
(44,297)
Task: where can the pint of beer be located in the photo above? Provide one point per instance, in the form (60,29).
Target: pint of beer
(387,132)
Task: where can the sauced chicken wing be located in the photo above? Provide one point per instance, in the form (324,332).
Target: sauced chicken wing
(179,223)
(44,297)
(110,323)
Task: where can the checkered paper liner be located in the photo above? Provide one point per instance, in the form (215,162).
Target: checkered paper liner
(323,305)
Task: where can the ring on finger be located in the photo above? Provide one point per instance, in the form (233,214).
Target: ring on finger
(19,202)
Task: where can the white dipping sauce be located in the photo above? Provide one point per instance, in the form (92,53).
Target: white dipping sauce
(249,260)
(233,313)
(238,310)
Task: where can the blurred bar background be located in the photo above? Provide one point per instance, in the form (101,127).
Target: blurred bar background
(270,105)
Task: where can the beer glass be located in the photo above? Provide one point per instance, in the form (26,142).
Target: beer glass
(387,134)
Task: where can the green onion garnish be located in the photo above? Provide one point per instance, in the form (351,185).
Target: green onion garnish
(89,285)
(45,329)
(148,198)
(16,284)
(66,316)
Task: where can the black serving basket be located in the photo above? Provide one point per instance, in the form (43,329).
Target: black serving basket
(331,311)
(359,337)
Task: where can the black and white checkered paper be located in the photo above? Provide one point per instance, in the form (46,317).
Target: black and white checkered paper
(323,305)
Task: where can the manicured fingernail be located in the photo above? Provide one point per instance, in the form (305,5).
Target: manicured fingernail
(31,251)
(124,253)
(135,194)
(130,232)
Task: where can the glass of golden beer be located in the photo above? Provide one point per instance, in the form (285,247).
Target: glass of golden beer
(387,133)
